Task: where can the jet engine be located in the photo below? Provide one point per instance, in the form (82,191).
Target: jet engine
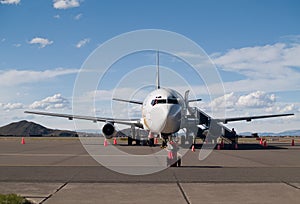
(108,130)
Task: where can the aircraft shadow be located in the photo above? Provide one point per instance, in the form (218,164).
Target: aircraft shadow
(201,167)
(246,147)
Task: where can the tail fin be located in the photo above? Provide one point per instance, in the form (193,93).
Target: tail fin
(157,71)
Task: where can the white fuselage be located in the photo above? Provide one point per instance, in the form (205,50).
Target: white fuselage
(162,111)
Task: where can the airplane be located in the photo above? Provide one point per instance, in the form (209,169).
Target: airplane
(164,113)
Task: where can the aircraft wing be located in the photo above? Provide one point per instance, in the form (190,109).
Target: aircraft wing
(135,122)
(249,118)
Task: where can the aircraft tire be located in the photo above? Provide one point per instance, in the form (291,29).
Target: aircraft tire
(151,142)
(179,163)
(129,141)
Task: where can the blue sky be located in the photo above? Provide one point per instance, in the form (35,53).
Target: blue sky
(254,44)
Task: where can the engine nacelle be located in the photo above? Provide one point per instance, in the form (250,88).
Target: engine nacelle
(108,130)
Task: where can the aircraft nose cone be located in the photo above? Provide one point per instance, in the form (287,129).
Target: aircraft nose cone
(166,119)
(159,117)
(173,119)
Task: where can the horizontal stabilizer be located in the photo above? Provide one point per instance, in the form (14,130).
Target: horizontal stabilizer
(128,101)
(194,100)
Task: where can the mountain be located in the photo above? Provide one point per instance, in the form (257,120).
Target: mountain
(284,133)
(291,133)
(26,128)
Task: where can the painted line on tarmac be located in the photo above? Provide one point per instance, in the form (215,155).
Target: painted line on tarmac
(71,165)
(79,155)
(45,155)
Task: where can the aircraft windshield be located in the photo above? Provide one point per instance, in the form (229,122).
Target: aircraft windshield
(164,101)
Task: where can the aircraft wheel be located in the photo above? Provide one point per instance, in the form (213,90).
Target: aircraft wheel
(163,144)
(173,162)
(179,162)
(151,142)
(129,141)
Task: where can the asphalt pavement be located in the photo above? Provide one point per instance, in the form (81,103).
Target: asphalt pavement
(60,170)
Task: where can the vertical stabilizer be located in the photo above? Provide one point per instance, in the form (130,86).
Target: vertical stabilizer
(157,71)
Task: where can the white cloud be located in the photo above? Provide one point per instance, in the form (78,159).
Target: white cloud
(11,106)
(256,103)
(101,94)
(15,77)
(65,4)
(17,45)
(107,95)
(78,16)
(284,108)
(10,1)
(291,38)
(254,58)
(265,67)
(228,101)
(258,99)
(82,43)
(53,102)
(56,16)
(290,108)
(43,42)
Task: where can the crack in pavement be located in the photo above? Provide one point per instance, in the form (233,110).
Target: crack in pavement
(57,190)
(291,185)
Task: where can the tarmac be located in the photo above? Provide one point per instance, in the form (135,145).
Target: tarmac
(59,170)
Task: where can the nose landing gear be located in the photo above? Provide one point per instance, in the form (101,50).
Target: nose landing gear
(174,158)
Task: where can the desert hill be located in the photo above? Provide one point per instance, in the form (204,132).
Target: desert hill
(26,128)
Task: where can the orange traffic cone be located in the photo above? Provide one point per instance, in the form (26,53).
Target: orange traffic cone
(293,142)
(105,143)
(156,141)
(261,141)
(193,148)
(115,141)
(222,143)
(218,147)
(23,140)
(170,155)
(265,143)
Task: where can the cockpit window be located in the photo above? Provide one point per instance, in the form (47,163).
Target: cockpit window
(153,102)
(164,101)
(172,101)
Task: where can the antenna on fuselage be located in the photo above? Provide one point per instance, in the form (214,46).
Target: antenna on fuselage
(157,71)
